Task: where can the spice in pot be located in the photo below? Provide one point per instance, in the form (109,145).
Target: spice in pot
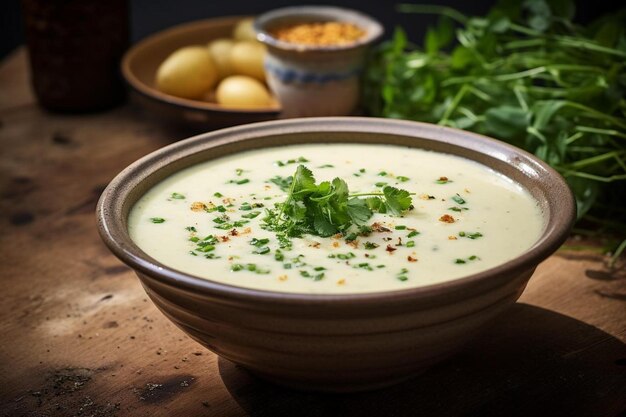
(319,33)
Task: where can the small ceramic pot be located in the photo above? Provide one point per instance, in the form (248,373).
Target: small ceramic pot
(315,80)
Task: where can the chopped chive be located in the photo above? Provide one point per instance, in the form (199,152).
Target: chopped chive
(459,261)
(410,243)
(400,227)
(402,178)
(413,233)
(157,220)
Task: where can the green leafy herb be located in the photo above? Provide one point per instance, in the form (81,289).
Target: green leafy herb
(157,220)
(177,196)
(413,233)
(402,178)
(190,229)
(218,195)
(328,208)
(410,243)
(371,245)
(527,74)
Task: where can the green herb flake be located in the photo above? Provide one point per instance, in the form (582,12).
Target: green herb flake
(190,229)
(251,215)
(371,245)
(458,199)
(410,244)
(403,178)
(457,209)
(382,174)
(259,242)
(413,233)
(459,261)
(262,250)
(177,196)
(326,166)
(218,195)
(400,227)
(364,265)
(380,184)
(239,182)
(157,220)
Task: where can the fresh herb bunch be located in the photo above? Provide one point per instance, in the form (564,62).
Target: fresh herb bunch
(525,74)
(328,208)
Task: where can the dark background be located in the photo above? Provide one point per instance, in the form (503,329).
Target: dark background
(148,16)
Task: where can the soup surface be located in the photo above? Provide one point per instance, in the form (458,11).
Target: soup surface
(210,220)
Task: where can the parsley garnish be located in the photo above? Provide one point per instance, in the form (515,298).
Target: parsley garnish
(157,220)
(328,208)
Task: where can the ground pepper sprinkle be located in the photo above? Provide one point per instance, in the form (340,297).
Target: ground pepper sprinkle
(319,33)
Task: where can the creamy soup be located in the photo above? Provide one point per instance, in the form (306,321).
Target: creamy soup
(211,220)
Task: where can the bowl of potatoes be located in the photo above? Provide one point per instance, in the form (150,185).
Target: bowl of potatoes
(203,75)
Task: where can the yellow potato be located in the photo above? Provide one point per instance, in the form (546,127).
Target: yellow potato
(242,91)
(188,72)
(246,58)
(244,30)
(220,52)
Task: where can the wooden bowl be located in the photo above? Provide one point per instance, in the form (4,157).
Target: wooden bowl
(139,67)
(336,342)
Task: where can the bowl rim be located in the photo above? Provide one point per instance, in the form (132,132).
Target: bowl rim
(373,32)
(188,104)
(112,229)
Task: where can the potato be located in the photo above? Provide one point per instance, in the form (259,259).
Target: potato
(242,91)
(220,52)
(244,30)
(188,72)
(247,58)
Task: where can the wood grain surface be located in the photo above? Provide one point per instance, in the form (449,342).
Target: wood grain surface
(80,338)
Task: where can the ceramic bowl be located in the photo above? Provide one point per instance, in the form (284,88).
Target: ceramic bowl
(141,62)
(335,342)
(315,80)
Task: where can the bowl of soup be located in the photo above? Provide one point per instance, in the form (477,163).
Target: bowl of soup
(335,254)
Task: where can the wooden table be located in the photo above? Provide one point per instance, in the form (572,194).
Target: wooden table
(79,336)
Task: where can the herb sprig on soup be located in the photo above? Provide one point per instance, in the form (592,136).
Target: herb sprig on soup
(335,218)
